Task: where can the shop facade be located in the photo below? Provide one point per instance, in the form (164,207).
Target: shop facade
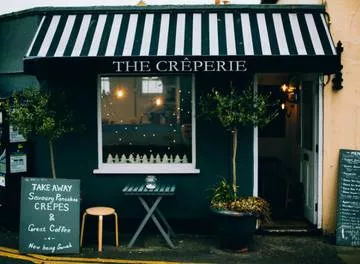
(135,76)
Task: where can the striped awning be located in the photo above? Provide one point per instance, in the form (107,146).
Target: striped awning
(235,32)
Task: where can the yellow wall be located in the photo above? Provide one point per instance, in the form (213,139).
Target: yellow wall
(341,108)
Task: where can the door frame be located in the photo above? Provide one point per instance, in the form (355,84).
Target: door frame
(320,150)
(319,133)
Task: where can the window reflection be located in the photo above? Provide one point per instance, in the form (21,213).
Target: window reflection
(146,119)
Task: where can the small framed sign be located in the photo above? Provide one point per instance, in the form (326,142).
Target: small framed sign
(18,163)
(15,136)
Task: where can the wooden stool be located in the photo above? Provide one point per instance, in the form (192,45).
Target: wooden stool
(100,212)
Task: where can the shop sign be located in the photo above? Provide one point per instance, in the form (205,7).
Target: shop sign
(49,215)
(179,66)
(348,206)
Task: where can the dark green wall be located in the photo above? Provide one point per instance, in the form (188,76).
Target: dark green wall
(76,157)
(14,82)
(16,34)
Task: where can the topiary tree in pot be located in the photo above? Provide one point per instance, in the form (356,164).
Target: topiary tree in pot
(35,112)
(235,109)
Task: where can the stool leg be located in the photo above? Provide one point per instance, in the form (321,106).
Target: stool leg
(100,231)
(82,229)
(116,230)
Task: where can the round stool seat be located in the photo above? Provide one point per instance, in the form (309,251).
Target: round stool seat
(100,211)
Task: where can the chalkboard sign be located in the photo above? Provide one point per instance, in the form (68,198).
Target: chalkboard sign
(348,209)
(49,215)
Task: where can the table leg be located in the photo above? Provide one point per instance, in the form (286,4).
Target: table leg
(157,210)
(156,222)
(170,230)
(144,221)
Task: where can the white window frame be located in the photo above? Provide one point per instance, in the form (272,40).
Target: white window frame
(140,168)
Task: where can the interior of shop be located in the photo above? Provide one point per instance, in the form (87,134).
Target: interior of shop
(279,153)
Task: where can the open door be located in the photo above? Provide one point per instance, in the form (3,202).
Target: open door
(309,127)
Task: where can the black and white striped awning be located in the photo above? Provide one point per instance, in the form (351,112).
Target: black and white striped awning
(212,32)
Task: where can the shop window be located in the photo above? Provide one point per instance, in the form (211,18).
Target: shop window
(146,124)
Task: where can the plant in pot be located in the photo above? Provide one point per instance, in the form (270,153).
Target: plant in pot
(235,109)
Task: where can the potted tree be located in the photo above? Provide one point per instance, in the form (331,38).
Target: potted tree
(35,112)
(235,109)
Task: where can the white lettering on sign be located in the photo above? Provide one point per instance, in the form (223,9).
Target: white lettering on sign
(41,187)
(61,188)
(59,229)
(33,228)
(185,65)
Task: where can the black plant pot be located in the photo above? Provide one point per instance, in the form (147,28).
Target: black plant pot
(234,230)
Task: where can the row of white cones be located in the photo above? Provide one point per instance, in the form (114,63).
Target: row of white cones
(145,159)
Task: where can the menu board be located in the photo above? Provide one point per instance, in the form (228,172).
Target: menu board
(49,215)
(348,209)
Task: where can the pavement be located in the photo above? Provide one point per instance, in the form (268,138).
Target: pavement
(191,248)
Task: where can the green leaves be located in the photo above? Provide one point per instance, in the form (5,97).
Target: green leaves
(31,113)
(235,108)
(224,198)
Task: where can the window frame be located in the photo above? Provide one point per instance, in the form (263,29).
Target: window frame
(140,168)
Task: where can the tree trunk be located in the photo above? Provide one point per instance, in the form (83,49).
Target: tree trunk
(235,135)
(52,159)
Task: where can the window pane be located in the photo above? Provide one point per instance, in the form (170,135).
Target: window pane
(146,119)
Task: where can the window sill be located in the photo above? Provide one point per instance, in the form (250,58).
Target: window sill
(146,169)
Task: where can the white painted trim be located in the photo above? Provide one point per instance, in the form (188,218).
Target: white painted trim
(146,168)
(320,151)
(139,168)
(100,152)
(256,151)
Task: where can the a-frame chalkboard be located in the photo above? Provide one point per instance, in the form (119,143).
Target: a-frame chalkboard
(348,207)
(49,215)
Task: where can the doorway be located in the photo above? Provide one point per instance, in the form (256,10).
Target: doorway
(288,151)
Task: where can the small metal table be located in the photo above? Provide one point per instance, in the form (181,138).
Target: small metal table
(145,197)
